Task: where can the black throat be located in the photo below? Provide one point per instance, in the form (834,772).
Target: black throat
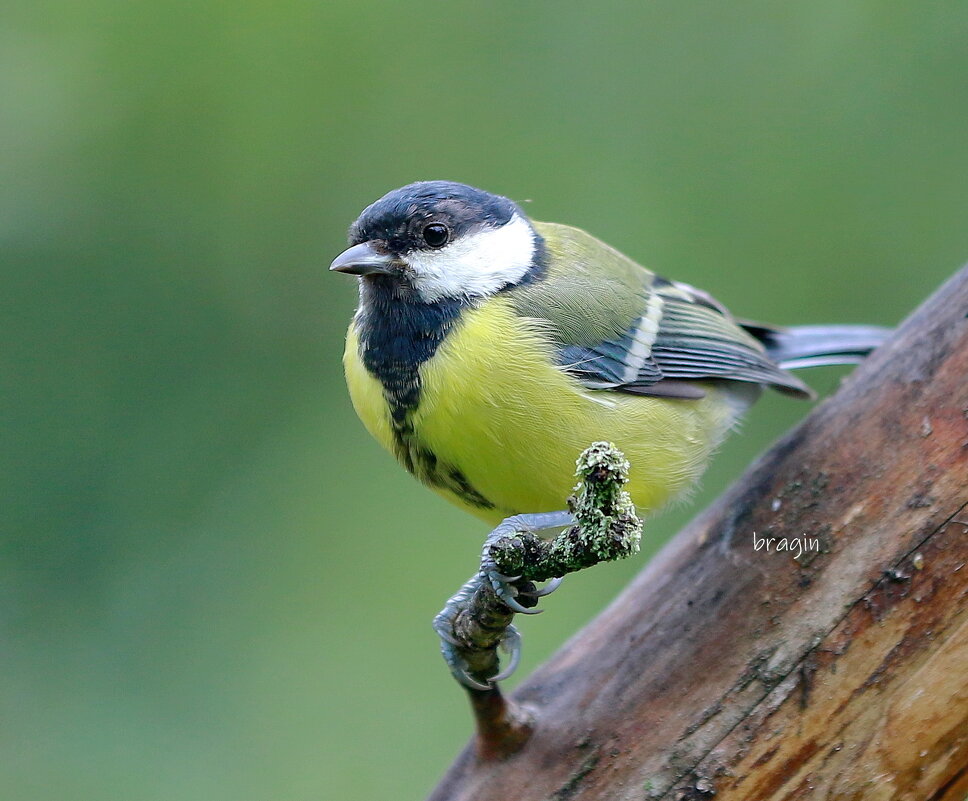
(398,332)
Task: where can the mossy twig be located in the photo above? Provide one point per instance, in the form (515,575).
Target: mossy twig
(606,526)
(476,621)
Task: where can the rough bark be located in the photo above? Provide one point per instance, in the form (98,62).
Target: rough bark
(727,671)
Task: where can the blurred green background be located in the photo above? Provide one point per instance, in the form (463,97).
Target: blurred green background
(213,584)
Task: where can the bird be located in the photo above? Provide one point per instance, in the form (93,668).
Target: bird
(488,350)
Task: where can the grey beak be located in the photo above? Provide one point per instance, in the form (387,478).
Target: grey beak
(362,259)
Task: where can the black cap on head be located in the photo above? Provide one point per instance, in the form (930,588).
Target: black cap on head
(397,221)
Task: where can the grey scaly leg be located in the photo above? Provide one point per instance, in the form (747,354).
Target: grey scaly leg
(510,526)
(503,587)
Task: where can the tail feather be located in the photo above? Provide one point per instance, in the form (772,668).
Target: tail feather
(818,345)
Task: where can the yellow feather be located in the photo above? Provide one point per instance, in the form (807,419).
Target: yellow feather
(494,405)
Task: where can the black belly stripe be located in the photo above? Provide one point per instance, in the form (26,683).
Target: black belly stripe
(397,333)
(425,465)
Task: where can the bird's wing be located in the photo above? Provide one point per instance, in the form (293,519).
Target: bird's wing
(618,326)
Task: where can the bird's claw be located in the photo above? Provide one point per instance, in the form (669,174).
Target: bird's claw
(547,589)
(465,678)
(508,589)
(511,645)
(450,648)
(504,589)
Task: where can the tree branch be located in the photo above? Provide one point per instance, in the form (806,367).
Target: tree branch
(734,669)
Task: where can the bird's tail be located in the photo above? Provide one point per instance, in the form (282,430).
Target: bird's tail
(818,345)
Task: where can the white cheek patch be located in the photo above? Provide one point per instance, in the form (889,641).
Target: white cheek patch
(474,265)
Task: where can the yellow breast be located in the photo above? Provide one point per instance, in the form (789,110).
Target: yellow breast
(493,405)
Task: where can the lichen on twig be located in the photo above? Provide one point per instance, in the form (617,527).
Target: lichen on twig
(606,527)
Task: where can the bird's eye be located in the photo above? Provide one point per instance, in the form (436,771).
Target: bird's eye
(436,235)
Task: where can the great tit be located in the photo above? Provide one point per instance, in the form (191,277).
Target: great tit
(489,350)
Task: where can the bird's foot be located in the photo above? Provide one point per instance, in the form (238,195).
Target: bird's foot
(510,588)
(466,664)
(475,623)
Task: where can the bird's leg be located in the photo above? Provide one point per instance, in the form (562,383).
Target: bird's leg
(600,526)
(506,587)
(488,625)
(475,664)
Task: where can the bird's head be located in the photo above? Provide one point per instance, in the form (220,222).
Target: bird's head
(443,240)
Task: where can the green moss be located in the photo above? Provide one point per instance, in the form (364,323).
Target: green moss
(606,526)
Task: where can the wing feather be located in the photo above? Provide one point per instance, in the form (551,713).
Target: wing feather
(618,326)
